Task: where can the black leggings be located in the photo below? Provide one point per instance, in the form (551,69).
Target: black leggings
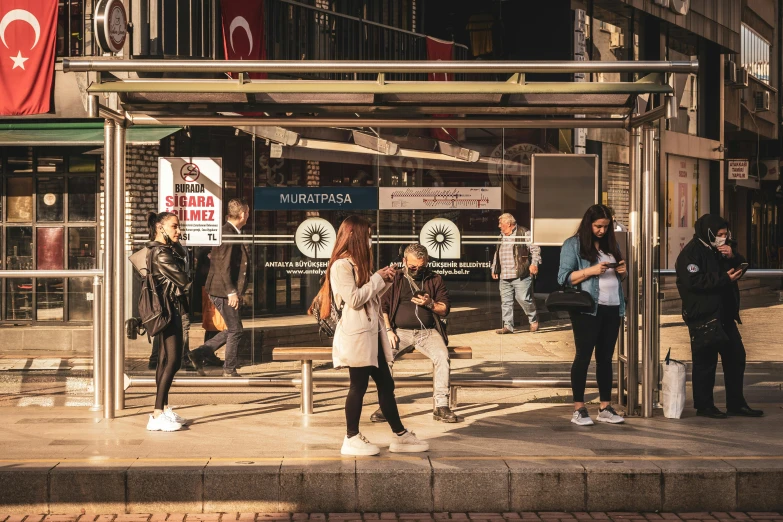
(594,332)
(169,358)
(360,378)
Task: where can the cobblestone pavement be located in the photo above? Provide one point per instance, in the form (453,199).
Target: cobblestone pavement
(547,516)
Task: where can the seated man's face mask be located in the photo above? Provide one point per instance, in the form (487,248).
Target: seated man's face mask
(414,271)
(718,241)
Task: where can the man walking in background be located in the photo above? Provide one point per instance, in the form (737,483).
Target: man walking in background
(226,283)
(515,264)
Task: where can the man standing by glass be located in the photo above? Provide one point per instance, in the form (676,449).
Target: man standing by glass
(226,282)
(515,264)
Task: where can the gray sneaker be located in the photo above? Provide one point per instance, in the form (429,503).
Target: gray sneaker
(609,416)
(581,417)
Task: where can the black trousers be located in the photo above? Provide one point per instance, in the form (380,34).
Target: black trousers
(594,333)
(169,358)
(185,338)
(705,364)
(360,379)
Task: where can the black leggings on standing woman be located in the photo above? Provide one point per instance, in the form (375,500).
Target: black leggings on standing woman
(594,332)
(360,378)
(169,358)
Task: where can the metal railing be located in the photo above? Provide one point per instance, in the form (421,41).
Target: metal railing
(98,347)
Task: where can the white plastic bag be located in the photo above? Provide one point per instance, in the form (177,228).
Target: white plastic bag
(673,388)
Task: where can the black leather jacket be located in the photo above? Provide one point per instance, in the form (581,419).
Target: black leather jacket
(170,273)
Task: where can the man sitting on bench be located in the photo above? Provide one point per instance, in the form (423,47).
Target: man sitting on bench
(412,310)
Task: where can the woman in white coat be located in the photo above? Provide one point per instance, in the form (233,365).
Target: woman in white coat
(360,342)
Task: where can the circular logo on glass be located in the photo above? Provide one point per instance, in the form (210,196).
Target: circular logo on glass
(315,238)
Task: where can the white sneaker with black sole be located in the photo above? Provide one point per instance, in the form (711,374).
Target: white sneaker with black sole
(172,415)
(609,416)
(581,417)
(408,443)
(358,446)
(162,423)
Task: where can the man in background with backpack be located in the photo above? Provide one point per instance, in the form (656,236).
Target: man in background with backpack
(226,283)
(413,310)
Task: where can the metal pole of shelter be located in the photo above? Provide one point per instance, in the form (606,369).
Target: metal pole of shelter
(631,366)
(118,267)
(648,241)
(97,403)
(107,361)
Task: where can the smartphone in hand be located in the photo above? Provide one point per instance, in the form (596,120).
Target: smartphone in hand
(742,267)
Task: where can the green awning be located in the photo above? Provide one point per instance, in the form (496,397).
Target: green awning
(75,134)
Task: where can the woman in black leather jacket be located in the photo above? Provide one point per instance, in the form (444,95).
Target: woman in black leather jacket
(173,283)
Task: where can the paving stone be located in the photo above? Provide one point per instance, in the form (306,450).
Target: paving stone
(243,517)
(97,518)
(166,487)
(386,485)
(203,517)
(242,488)
(511,516)
(133,517)
(158,517)
(176,517)
(24,489)
(96,489)
(61,518)
(533,481)
(389,516)
(623,484)
(463,485)
(371,516)
(267,517)
(320,486)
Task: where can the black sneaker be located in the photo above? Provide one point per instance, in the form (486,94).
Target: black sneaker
(232,373)
(187,365)
(377,416)
(444,414)
(210,359)
(712,412)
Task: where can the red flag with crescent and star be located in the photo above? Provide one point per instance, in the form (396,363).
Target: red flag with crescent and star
(28,33)
(243,31)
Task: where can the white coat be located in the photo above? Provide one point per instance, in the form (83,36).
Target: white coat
(356,337)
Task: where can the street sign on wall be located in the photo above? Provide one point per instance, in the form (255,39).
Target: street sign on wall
(192,188)
(320,198)
(737,169)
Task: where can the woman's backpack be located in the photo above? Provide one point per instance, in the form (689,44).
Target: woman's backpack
(153,309)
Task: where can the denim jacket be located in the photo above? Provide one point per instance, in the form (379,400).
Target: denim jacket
(571,261)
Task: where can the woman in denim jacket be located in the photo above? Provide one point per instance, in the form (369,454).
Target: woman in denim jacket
(592,260)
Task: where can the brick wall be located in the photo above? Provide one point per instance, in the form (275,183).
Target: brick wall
(141,189)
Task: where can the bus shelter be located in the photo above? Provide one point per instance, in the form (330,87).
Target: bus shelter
(363,98)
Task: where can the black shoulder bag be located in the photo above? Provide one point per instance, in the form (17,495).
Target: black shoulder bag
(569,299)
(153,309)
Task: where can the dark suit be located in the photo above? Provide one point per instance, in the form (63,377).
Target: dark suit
(227,275)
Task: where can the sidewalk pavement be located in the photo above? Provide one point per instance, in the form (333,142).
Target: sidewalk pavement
(546,516)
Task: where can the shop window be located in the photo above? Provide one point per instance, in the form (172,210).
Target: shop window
(20,200)
(49,199)
(755,54)
(58,188)
(81,248)
(49,299)
(81,198)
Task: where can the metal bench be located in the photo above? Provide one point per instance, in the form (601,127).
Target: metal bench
(307,354)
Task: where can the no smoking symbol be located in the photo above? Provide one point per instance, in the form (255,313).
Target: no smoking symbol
(189,172)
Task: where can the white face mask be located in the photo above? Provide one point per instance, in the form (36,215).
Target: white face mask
(717,242)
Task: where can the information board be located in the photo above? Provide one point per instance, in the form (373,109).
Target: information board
(563,187)
(192,188)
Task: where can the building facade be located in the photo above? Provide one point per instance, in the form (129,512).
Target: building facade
(51,165)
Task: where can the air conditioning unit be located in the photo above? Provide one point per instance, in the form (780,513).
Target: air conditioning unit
(742,77)
(730,72)
(762,101)
(616,40)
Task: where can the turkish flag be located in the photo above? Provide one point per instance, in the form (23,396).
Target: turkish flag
(28,33)
(441,50)
(243,31)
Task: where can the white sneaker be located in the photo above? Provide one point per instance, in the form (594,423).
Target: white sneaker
(172,415)
(408,443)
(609,415)
(581,417)
(359,446)
(162,423)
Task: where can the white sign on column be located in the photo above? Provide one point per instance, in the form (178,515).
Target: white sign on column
(738,169)
(192,188)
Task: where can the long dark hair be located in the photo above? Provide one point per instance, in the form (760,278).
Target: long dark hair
(153,219)
(351,242)
(607,244)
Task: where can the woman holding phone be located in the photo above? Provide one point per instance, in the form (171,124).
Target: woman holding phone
(360,342)
(592,260)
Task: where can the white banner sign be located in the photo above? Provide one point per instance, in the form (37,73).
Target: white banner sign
(192,188)
(439,198)
(738,169)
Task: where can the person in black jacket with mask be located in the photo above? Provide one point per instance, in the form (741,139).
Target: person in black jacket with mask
(173,283)
(708,269)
